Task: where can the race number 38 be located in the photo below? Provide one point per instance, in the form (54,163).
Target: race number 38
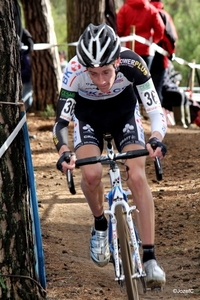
(68,109)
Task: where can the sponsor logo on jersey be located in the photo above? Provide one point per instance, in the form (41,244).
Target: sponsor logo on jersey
(90,83)
(141,67)
(90,87)
(128,128)
(55,139)
(152,108)
(66,76)
(88,128)
(137,111)
(146,86)
(67,94)
(127,139)
(134,63)
(127,62)
(164,129)
(75,136)
(73,69)
(75,66)
(76,75)
(88,132)
(98,94)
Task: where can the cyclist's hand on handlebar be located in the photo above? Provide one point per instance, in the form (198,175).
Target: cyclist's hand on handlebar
(156,148)
(66,162)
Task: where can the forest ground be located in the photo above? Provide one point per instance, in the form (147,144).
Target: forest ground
(66,220)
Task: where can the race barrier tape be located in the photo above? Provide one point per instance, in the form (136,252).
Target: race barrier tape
(40,46)
(134,37)
(154,46)
(12,136)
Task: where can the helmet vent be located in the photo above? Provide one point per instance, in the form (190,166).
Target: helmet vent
(98,46)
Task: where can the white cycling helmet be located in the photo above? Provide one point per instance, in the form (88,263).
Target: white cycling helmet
(98,46)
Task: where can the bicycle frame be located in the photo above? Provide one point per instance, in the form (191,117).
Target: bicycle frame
(117,196)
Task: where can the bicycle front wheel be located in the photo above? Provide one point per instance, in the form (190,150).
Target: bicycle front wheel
(126,255)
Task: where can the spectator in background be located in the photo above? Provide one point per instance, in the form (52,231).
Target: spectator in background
(145,17)
(63,60)
(110,14)
(24,35)
(168,43)
(175,99)
(27,92)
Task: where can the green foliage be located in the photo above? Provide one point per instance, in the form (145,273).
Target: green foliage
(185,15)
(49,112)
(2,283)
(58,8)
(171,6)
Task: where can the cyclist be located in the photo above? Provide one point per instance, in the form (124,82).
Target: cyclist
(98,91)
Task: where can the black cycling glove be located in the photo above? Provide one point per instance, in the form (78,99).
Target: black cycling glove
(66,156)
(154,142)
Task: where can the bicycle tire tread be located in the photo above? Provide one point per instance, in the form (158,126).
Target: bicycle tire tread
(131,284)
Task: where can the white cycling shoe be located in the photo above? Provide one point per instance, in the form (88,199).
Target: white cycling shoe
(99,247)
(155,276)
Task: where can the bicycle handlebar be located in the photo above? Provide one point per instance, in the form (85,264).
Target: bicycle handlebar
(105,159)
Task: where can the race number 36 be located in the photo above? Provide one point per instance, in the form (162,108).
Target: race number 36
(149,95)
(68,109)
(151,98)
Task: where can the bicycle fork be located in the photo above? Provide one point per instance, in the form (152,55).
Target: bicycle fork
(134,243)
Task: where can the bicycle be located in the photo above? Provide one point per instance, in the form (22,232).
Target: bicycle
(122,234)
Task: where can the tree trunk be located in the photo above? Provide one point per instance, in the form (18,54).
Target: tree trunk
(79,15)
(46,71)
(17,262)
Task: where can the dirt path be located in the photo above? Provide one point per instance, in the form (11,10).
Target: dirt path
(66,221)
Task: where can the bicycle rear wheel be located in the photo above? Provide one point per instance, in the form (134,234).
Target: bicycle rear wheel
(126,255)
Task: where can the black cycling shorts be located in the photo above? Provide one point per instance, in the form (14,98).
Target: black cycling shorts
(117,115)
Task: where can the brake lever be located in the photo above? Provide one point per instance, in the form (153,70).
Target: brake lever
(70,180)
(157,164)
(158,168)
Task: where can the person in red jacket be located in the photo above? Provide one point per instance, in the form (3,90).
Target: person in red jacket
(160,62)
(145,17)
